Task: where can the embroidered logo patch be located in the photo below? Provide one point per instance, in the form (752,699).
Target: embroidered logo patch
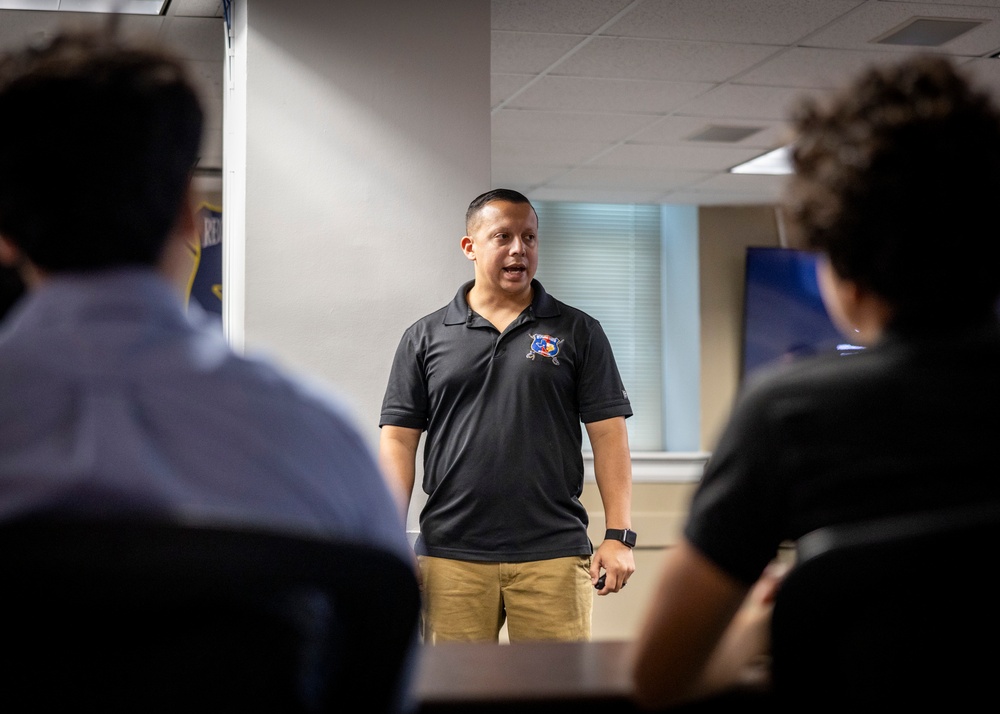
(546,346)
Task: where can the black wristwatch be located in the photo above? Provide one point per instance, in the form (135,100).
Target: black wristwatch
(626,536)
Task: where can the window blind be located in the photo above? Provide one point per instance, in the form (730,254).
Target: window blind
(604,259)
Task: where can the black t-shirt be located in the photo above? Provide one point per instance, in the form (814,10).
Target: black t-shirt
(907,425)
(503,466)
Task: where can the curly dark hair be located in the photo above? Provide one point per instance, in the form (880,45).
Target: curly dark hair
(97,143)
(896,178)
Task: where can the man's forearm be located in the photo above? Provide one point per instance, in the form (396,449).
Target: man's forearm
(397,456)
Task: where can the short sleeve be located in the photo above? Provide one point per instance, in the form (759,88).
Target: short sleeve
(405,402)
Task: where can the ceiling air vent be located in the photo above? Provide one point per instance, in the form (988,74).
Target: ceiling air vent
(728,134)
(927,32)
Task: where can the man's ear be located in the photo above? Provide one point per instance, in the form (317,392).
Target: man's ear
(178,259)
(185,223)
(10,254)
(468,247)
(859,313)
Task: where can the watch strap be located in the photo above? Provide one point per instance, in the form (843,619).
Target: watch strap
(625,535)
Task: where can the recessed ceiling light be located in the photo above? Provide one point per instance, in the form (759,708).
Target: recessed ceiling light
(727,134)
(927,32)
(773,162)
(124,7)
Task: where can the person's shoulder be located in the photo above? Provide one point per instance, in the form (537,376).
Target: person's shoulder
(575,312)
(803,375)
(424,329)
(452,313)
(275,390)
(548,305)
(431,319)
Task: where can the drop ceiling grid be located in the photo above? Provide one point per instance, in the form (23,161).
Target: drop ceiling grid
(858,30)
(595,100)
(744,64)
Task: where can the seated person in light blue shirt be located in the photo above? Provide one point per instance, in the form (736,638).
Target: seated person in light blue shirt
(115,400)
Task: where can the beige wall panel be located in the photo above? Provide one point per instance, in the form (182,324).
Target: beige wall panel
(724,234)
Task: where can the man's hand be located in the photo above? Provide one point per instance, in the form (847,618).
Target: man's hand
(618,563)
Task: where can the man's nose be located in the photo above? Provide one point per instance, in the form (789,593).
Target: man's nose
(517,246)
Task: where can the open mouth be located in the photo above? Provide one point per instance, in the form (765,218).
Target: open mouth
(514,270)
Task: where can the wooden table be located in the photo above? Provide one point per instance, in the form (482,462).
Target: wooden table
(524,677)
(542,678)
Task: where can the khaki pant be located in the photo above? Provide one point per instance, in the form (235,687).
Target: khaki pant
(539,600)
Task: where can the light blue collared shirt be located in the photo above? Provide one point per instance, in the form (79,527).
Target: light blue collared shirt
(115,400)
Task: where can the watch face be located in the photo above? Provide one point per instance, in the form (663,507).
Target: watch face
(629,539)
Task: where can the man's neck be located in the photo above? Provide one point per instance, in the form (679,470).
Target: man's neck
(500,309)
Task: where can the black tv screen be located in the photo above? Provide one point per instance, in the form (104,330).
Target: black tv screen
(783,314)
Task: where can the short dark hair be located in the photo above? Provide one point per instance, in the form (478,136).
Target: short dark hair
(497,194)
(12,287)
(896,179)
(97,143)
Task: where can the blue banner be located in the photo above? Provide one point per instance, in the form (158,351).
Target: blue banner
(205,287)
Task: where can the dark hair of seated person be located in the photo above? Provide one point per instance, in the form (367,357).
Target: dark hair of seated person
(896,181)
(11,288)
(97,143)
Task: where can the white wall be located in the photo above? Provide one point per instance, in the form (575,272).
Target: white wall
(367,133)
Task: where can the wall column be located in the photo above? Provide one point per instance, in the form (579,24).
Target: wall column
(365,132)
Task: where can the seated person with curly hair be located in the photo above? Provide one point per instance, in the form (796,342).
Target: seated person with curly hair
(895,183)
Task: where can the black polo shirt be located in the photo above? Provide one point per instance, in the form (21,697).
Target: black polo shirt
(503,466)
(908,425)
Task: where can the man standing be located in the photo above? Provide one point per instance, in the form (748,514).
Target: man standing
(500,380)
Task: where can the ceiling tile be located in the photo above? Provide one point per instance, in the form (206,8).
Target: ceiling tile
(522,123)
(502,86)
(555,152)
(738,101)
(596,99)
(859,30)
(673,60)
(739,183)
(517,52)
(766,22)
(811,67)
(695,158)
(711,198)
(677,129)
(596,195)
(621,177)
(522,178)
(607,95)
(195,8)
(572,16)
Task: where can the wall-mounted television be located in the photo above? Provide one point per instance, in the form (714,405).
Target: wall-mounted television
(783,314)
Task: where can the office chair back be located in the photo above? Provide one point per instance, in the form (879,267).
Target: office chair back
(143,616)
(891,612)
